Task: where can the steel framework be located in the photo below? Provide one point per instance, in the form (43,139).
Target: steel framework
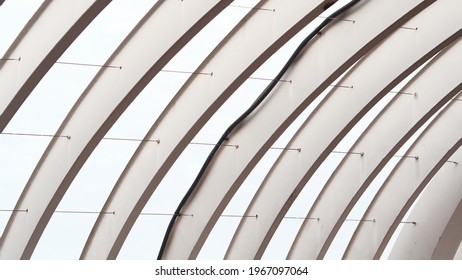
(354,63)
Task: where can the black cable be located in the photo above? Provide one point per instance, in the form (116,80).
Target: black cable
(254,105)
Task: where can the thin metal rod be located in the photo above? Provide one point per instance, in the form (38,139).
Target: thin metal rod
(286,149)
(409,28)
(120,67)
(252,8)
(360,220)
(338,19)
(238,216)
(83,212)
(341,86)
(348,220)
(186,72)
(300,218)
(237,146)
(131,139)
(351,153)
(190,215)
(35,135)
(164,214)
(14,210)
(269,79)
(10,59)
(403,222)
(88,64)
(405,156)
(69,137)
(403,92)
(211,144)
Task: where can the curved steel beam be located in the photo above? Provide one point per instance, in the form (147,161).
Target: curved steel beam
(379,142)
(231,166)
(320,133)
(46,36)
(180,121)
(440,140)
(450,241)
(432,213)
(140,58)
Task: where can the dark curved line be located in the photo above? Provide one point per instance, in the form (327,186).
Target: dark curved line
(254,105)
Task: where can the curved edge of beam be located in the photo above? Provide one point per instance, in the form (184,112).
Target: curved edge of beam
(430,215)
(55,51)
(451,238)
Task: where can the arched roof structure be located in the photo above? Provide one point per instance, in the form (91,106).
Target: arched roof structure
(360,130)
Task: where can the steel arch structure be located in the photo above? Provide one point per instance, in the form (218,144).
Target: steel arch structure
(399,59)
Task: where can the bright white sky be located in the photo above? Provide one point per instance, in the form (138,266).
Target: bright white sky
(47,106)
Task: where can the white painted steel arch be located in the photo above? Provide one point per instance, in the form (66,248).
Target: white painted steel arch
(431,214)
(378,42)
(152,160)
(231,166)
(434,147)
(450,241)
